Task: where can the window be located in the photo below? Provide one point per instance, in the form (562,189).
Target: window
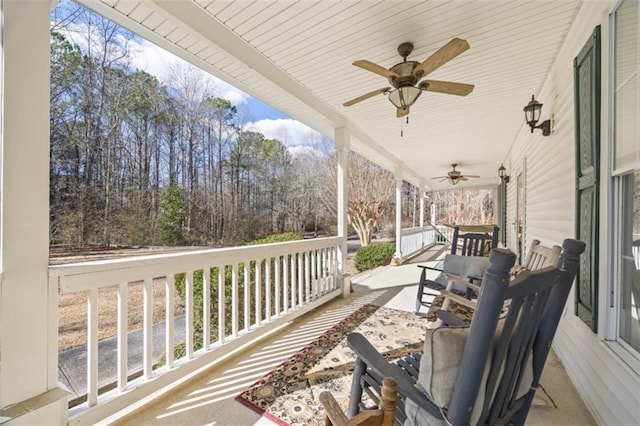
(630,260)
(626,173)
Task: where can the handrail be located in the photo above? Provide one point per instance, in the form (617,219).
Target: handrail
(246,289)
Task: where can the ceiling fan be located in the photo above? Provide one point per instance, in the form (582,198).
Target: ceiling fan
(455,176)
(405,76)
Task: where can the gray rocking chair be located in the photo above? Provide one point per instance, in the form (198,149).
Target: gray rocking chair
(468,242)
(499,361)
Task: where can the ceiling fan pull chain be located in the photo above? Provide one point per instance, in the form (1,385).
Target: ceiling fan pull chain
(401,128)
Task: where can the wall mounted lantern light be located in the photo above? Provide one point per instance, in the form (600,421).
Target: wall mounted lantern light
(502,172)
(532,116)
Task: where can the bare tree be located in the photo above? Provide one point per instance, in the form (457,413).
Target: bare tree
(370,193)
(464,206)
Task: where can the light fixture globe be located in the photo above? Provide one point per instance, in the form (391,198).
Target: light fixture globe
(404,97)
(501,171)
(532,112)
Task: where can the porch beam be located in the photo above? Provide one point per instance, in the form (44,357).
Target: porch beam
(27,315)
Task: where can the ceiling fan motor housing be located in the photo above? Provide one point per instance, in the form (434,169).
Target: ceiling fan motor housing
(405,78)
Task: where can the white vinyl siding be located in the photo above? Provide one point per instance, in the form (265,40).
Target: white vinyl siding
(604,380)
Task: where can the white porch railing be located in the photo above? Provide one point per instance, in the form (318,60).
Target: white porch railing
(414,240)
(248,289)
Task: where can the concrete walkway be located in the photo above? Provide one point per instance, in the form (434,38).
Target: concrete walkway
(72,364)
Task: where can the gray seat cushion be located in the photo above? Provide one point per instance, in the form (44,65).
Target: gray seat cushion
(462,266)
(439,367)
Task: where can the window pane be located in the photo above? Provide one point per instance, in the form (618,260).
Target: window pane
(627,85)
(626,41)
(630,262)
(627,124)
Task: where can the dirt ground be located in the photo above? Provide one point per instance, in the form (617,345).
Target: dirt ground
(72,308)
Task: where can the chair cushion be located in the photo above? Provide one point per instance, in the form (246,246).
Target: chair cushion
(463,266)
(440,362)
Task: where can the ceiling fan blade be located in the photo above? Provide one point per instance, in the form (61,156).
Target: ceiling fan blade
(401,112)
(375,68)
(443,55)
(451,88)
(440,177)
(471,176)
(366,96)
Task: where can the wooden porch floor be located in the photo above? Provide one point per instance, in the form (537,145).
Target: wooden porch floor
(209,398)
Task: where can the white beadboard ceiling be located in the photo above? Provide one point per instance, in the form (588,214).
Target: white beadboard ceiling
(297,56)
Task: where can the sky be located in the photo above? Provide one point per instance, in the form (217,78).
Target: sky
(262,118)
(272,123)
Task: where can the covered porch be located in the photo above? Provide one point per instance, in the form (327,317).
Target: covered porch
(297,57)
(210,397)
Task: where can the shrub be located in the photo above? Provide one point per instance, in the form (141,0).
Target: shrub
(180,350)
(373,255)
(276,238)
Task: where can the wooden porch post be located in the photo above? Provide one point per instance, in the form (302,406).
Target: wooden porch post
(342,141)
(398,253)
(29,392)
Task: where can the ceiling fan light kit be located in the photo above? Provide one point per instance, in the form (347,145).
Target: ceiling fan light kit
(404,97)
(455,176)
(405,76)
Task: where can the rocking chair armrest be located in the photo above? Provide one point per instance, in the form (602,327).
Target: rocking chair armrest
(376,362)
(431,268)
(382,368)
(332,409)
(456,279)
(450,319)
(461,300)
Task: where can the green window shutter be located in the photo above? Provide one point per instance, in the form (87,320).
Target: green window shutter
(587,140)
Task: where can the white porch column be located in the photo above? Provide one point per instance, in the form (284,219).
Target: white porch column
(422,232)
(421,207)
(28,322)
(432,213)
(342,141)
(398,253)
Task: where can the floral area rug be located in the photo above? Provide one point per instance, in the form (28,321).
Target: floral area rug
(289,394)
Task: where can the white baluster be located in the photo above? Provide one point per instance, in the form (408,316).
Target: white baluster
(92,347)
(221,325)
(258,291)
(188,289)
(147,326)
(170,291)
(206,308)
(234,299)
(122,337)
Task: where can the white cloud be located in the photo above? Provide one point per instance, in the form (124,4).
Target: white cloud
(155,60)
(304,149)
(290,132)
(158,62)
